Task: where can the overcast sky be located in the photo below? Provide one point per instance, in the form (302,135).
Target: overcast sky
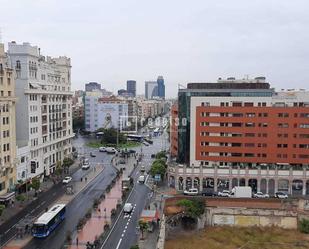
(110,41)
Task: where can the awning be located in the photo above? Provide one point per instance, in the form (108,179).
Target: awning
(150,215)
(7,197)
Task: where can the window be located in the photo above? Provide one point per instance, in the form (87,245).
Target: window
(283,125)
(249,104)
(249,135)
(304,126)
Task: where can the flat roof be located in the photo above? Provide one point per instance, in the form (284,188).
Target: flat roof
(47,216)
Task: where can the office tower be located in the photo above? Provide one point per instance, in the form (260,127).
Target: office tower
(131,88)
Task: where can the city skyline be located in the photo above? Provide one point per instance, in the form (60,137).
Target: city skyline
(266,38)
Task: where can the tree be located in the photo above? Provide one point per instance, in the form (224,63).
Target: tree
(158,168)
(35,184)
(143,226)
(58,168)
(193,208)
(134,247)
(78,123)
(304,226)
(161,154)
(110,136)
(67,162)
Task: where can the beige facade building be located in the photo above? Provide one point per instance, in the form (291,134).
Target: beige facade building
(7,128)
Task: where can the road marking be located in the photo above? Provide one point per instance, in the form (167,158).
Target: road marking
(118,245)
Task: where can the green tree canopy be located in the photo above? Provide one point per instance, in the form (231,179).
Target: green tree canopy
(110,136)
(35,184)
(194,207)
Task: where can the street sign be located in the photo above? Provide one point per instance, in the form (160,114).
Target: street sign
(157,177)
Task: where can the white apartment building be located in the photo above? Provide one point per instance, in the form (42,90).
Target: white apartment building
(102,112)
(43,113)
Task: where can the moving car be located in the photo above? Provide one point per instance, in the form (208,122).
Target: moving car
(110,150)
(260,195)
(86,165)
(141,179)
(102,149)
(224,193)
(142,169)
(92,154)
(67,179)
(281,195)
(145,143)
(191,191)
(128,207)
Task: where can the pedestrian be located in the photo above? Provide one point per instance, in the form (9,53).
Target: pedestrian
(81,179)
(85,179)
(77,241)
(12,203)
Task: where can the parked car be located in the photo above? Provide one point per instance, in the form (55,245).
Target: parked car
(260,195)
(122,161)
(224,193)
(92,154)
(153,155)
(128,207)
(102,149)
(209,193)
(191,191)
(281,195)
(111,150)
(67,179)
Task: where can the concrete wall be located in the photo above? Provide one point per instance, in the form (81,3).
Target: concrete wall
(251,217)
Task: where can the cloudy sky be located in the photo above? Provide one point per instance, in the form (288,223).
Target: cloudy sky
(111,41)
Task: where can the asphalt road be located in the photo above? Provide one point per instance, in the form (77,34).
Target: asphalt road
(125,234)
(78,207)
(34,209)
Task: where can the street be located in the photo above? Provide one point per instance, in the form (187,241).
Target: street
(125,232)
(80,204)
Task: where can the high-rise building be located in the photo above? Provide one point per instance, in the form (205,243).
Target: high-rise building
(242,133)
(151,89)
(44,110)
(91,86)
(7,127)
(131,88)
(161,87)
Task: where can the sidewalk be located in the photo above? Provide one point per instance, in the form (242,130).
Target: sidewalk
(102,215)
(66,198)
(48,183)
(157,202)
